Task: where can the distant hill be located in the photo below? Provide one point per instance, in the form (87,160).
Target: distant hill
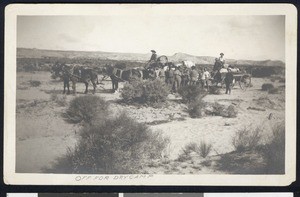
(177,57)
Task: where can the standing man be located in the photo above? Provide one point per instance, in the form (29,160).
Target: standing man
(205,77)
(228,81)
(170,76)
(194,76)
(177,79)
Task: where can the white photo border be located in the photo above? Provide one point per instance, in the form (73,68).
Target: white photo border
(14,10)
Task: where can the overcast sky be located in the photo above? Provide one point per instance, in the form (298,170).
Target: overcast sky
(239,37)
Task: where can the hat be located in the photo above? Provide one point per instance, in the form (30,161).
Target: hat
(221,53)
(153,51)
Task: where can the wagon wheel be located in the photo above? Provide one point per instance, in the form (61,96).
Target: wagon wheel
(233,83)
(162,59)
(245,82)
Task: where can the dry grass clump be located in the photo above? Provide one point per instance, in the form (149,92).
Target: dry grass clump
(118,145)
(61,100)
(86,109)
(202,149)
(253,157)
(247,139)
(145,92)
(267,86)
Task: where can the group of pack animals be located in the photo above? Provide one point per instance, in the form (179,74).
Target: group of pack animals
(75,73)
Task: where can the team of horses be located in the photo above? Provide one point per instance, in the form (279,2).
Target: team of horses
(75,73)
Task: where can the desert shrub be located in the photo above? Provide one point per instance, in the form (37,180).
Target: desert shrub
(247,139)
(119,145)
(86,109)
(196,109)
(267,86)
(214,90)
(145,92)
(34,83)
(274,151)
(184,156)
(204,149)
(273,91)
(218,109)
(230,112)
(59,99)
(188,148)
(191,93)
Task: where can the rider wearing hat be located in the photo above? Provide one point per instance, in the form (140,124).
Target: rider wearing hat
(153,56)
(221,58)
(152,60)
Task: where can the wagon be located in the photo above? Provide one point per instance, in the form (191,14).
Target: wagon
(160,61)
(243,79)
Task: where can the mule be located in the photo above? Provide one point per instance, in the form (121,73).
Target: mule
(119,75)
(76,74)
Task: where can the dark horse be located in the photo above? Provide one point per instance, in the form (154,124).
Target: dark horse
(75,74)
(121,75)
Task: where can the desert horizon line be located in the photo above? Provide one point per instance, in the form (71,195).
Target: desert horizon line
(93,51)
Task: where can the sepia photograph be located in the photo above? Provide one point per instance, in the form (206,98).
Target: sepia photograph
(119,95)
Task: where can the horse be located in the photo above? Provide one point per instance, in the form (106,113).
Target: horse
(119,75)
(75,73)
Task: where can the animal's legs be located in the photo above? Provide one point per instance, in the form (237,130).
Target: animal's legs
(86,87)
(64,87)
(74,86)
(94,86)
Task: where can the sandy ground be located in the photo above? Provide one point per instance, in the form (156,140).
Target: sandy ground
(42,134)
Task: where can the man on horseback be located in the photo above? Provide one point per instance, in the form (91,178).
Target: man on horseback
(153,60)
(219,64)
(153,56)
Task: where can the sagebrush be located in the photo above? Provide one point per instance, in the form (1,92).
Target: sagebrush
(191,93)
(118,145)
(86,109)
(145,92)
(247,139)
(196,109)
